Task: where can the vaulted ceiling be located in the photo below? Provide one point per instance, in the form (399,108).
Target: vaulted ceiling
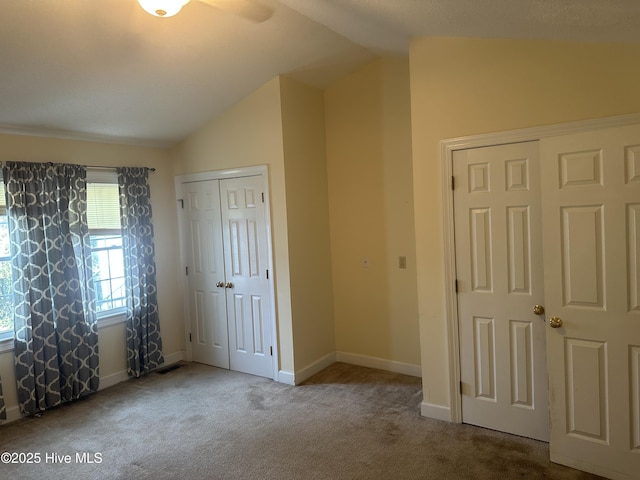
(105,69)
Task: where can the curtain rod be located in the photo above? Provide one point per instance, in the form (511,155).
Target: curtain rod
(103,167)
(151,169)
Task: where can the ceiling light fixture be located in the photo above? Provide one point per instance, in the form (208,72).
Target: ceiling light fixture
(162,8)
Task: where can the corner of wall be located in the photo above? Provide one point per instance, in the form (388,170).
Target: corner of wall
(304,145)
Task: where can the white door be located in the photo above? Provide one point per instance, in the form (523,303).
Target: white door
(591,222)
(500,280)
(205,274)
(247,281)
(229,292)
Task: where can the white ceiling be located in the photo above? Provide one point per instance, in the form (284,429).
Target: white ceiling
(107,70)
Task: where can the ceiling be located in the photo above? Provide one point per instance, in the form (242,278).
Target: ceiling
(107,70)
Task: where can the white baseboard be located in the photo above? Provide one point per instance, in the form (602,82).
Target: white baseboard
(172,358)
(115,378)
(437,412)
(380,364)
(287,378)
(315,367)
(13,414)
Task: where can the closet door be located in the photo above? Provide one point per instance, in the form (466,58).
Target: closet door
(246,280)
(500,289)
(591,244)
(205,273)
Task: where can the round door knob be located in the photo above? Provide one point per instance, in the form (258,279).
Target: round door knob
(220,284)
(538,309)
(555,322)
(229,285)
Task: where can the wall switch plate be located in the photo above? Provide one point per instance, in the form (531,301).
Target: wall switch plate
(365,262)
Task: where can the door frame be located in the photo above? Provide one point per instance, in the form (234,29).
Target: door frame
(179,180)
(453,412)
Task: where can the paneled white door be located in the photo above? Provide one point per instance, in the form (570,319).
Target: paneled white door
(591,222)
(247,282)
(205,273)
(227,274)
(500,280)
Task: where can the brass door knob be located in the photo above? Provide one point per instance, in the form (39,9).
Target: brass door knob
(220,284)
(538,309)
(555,322)
(229,285)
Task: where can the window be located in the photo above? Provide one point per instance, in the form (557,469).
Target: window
(108,272)
(103,217)
(6,289)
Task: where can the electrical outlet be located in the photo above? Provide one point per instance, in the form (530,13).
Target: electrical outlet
(402,263)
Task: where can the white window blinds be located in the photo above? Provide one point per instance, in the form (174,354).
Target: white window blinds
(103,201)
(103,206)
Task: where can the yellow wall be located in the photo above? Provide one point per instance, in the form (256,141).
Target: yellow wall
(458,87)
(466,86)
(308,222)
(362,170)
(368,129)
(248,134)
(112,339)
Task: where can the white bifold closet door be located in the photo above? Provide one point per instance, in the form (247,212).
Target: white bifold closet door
(227,268)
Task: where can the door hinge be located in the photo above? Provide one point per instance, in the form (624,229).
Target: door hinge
(189,336)
(181,202)
(460,387)
(453,182)
(267,274)
(186,269)
(271,351)
(456,283)
(262,197)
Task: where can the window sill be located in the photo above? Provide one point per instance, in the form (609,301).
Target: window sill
(111,319)
(6,345)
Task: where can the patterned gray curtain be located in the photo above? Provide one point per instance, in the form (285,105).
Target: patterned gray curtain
(144,345)
(56,330)
(3,410)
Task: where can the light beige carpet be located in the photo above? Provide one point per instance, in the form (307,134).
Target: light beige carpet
(199,422)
